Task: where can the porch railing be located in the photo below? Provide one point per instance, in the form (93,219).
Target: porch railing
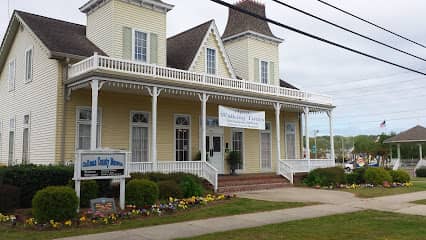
(288,167)
(98,62)
(198,168)
(396,164)
(286,171)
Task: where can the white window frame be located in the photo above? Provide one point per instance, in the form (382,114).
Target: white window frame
(189,127)
(260,146)
(295,138)
(28,126)
(148,45)
(244,149)
(11,82)
(12,128)
(131,124)
(267,71)
(78,122)
(206,61)
(31,70)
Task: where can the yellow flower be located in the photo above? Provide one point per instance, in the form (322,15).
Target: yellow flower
(83,219)
(68,223)
(171,199)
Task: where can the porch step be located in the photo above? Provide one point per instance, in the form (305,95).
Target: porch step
(250,182)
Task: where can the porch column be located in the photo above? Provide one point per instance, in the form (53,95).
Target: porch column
(277,107)
(94,124)
(330,120)
(399,151)
(154,92)
(300,135)
(308,151)
(421,151)
(203,98)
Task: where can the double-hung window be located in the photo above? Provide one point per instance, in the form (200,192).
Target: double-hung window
(140,46)
(84,123)
(29,65)
(264,74)
(12,75)
(11,154)
(290,139)
(211,61)
(237,144)
(266,147)
(182,137)
(139,136)
(26,140)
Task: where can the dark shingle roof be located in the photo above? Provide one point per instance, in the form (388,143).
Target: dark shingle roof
(182,48)
(239,22)
(60,37)
(415,134)
(285,84)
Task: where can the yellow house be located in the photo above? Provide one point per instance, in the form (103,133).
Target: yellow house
(173,104)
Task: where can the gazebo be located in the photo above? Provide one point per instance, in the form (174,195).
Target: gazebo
(415,135)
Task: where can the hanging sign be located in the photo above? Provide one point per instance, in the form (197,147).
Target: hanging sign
(239,118)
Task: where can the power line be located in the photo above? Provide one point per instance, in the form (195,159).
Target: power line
(239,9)
(348,30)
(371,23)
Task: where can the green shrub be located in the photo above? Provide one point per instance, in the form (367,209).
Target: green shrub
(326,177)
(421,172)
(377,176)
(89,190)
(30,178)
(356,177)
(169,189)
(399,176)
(141,192)
(55,203)
(191,187)
(9,198)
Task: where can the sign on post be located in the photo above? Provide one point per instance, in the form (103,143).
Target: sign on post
(239,118)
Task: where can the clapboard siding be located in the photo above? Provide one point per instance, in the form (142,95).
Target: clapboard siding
(238,55)
(266,51)
(100,29)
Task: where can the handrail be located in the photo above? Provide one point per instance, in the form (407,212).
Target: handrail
(98,62)
(286,171)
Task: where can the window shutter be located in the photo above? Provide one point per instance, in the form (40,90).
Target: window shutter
(272,72)
(127,43)
(256,70)
(153,48)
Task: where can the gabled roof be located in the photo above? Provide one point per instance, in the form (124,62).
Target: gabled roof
(415,134)
(239,23)
(61,39)
(184,48)
(285,84)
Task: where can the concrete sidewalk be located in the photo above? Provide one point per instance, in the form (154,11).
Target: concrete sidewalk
(334,202)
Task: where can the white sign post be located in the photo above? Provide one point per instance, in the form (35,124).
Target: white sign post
(101,164)
(239,118)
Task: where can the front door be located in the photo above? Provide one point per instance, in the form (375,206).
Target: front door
(214,145)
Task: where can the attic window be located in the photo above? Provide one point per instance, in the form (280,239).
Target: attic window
(211,61)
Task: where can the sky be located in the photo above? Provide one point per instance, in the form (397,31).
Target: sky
(365,92)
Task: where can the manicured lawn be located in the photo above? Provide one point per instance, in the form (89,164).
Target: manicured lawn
(371,225)
(419,184)
(423,202)
(228,207)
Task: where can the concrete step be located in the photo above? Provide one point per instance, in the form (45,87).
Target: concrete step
(225,178)
(243,188)
(275,179)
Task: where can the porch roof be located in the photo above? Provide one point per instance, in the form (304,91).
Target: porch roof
(412,135)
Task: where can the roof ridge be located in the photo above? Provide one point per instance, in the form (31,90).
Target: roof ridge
(188,30)
(49,18)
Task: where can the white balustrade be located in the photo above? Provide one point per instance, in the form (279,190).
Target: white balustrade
(286,171)
(302,165)
(138,68)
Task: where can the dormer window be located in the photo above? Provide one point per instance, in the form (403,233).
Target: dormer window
(140,46)
(264,72)
(211,61)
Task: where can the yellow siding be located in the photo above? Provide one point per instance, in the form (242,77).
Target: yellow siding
(200,62)
(115,131)
(265,51)
(238,54)
(105,27)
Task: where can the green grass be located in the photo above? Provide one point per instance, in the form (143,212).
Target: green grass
(419,184)
(422,202)
(371,225)
(225,208)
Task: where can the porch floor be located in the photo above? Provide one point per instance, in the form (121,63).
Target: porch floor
(250,182)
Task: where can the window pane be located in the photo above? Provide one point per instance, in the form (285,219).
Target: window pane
(140,46)
(266,150)
(25,146)
(290,137)
(84,137)
(264,72)
(140,118)
(182,120)
(211,61)
(28,64)
(85,115)
(182,145)
(11,148)
(237,145)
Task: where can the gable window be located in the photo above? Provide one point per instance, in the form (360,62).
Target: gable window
(12,75)
(264,75)
(29,65)
(182,137)
(140,46)
(211,61)
(26,140)
(84,123)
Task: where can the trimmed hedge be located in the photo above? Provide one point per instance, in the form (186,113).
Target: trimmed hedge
(30,178)
(169,189)
(9,198)
(421,172)
(55,203)
(333,176)
(399,176)
(377,176)
(141,192)
(89,190)
(191,187)
(356,177)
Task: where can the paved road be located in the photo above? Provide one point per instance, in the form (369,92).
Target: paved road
(333,202)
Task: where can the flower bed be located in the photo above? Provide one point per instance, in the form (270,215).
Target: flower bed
(92,219)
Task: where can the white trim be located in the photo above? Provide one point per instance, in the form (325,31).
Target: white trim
(216,70)
(242,144)
(28,80)
(77,122)
(295,139)
(270,145)
(255,34)
(189,127)
(158,6)
(213,29)
(148,45)
(147,125)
